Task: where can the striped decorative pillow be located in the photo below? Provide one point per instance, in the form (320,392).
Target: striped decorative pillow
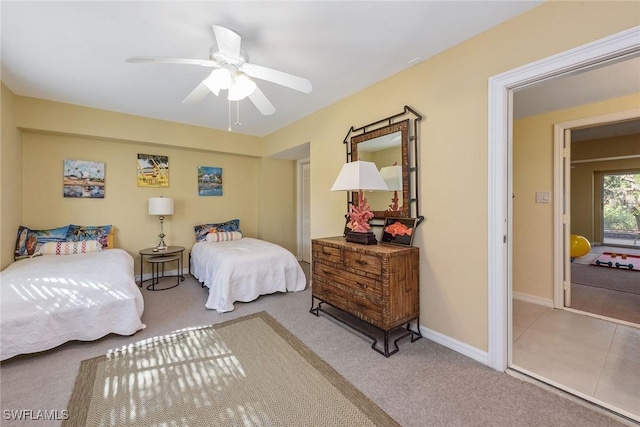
(224,236)
(70,248)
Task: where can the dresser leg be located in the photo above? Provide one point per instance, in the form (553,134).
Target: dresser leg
(315,310)
(415,335)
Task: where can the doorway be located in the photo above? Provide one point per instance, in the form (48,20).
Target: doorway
(501,305)
(596,147)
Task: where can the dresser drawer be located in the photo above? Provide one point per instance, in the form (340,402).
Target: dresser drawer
(331,294)
(353,281)
(366,309)
(363,262)
(327,253)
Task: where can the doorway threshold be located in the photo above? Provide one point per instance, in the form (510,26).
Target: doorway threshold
(599,316)
(575,396)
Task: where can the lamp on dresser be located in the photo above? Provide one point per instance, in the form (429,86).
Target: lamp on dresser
(392,176)
(360,176)
(161,206)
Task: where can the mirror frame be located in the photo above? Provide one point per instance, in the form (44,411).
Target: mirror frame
(403,128)
(410,176)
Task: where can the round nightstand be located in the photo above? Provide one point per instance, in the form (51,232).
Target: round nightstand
(157,258)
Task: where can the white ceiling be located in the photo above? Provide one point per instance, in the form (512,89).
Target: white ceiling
(74,52)
(602,81)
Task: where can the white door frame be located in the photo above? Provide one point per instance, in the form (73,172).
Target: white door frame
(299,208)
(561,244)
(499,248)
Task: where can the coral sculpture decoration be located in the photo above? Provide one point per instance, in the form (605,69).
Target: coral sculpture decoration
(393,207)
(360,215)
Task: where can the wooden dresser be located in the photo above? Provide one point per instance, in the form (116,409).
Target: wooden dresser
(378,284)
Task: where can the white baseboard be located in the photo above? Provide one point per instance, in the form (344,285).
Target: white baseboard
(455,345)
(533,299)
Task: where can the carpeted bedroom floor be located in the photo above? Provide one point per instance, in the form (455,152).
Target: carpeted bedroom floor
(425,384)
(606,291)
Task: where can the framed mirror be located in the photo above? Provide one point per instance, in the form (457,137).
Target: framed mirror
(392,144)
(388,148)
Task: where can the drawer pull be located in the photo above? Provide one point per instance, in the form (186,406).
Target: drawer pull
(360,262)
(362,285)
(327,273)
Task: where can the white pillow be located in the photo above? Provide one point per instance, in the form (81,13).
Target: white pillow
(70,248)
(223,236)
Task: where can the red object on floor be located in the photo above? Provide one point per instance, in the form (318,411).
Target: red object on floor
(618,260)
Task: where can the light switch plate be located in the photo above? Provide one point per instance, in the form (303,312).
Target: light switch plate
(543,197)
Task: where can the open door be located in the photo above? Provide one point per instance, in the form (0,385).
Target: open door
(566,215)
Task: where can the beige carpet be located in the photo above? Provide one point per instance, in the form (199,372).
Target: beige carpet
(616,279)
(609,292)
(245,372)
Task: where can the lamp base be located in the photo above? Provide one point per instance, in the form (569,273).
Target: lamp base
(367,238)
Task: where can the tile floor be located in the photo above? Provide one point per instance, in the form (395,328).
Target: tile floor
(594,357)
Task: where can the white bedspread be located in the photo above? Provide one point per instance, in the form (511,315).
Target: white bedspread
(51,299)
(242,270)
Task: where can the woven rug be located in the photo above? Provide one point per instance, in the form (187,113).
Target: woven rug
(245,372)
(618,260)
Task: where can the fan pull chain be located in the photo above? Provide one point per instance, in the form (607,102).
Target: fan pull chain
(237,122)
(229,116)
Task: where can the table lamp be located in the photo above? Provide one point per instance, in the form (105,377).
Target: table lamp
(161,206)
(360,176)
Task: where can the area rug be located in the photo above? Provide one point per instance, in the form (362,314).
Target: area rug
(616,279)
(618,260)
(245,372)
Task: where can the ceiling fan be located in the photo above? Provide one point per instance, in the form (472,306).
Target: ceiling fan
(233,72)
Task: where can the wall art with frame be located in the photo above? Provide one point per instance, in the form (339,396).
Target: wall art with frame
(84,179)
(209,181)
(153,170)
(399,231)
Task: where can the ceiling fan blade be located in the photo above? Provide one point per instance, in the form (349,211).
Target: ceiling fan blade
(197,94)
(279,77)
(228,42)
(158,60)
(262,103)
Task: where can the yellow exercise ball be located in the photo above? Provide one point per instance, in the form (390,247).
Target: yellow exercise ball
(580,246)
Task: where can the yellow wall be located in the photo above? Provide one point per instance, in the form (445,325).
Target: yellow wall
(450,90)
(275,192)
(533,171)
(52,132)
(10,178)
(624,145)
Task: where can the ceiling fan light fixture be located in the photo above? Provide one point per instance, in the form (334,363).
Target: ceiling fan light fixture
(222,77)
(241,87)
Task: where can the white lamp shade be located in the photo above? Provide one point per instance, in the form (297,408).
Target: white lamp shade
(160,206)
(218,79)
(392,176)
(359,175)
(241,87)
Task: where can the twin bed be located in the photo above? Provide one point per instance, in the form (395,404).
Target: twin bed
(244,269)
(48,300)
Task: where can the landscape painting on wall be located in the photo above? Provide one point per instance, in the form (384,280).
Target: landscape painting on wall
(209,181)
(83,179)
(153,171)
